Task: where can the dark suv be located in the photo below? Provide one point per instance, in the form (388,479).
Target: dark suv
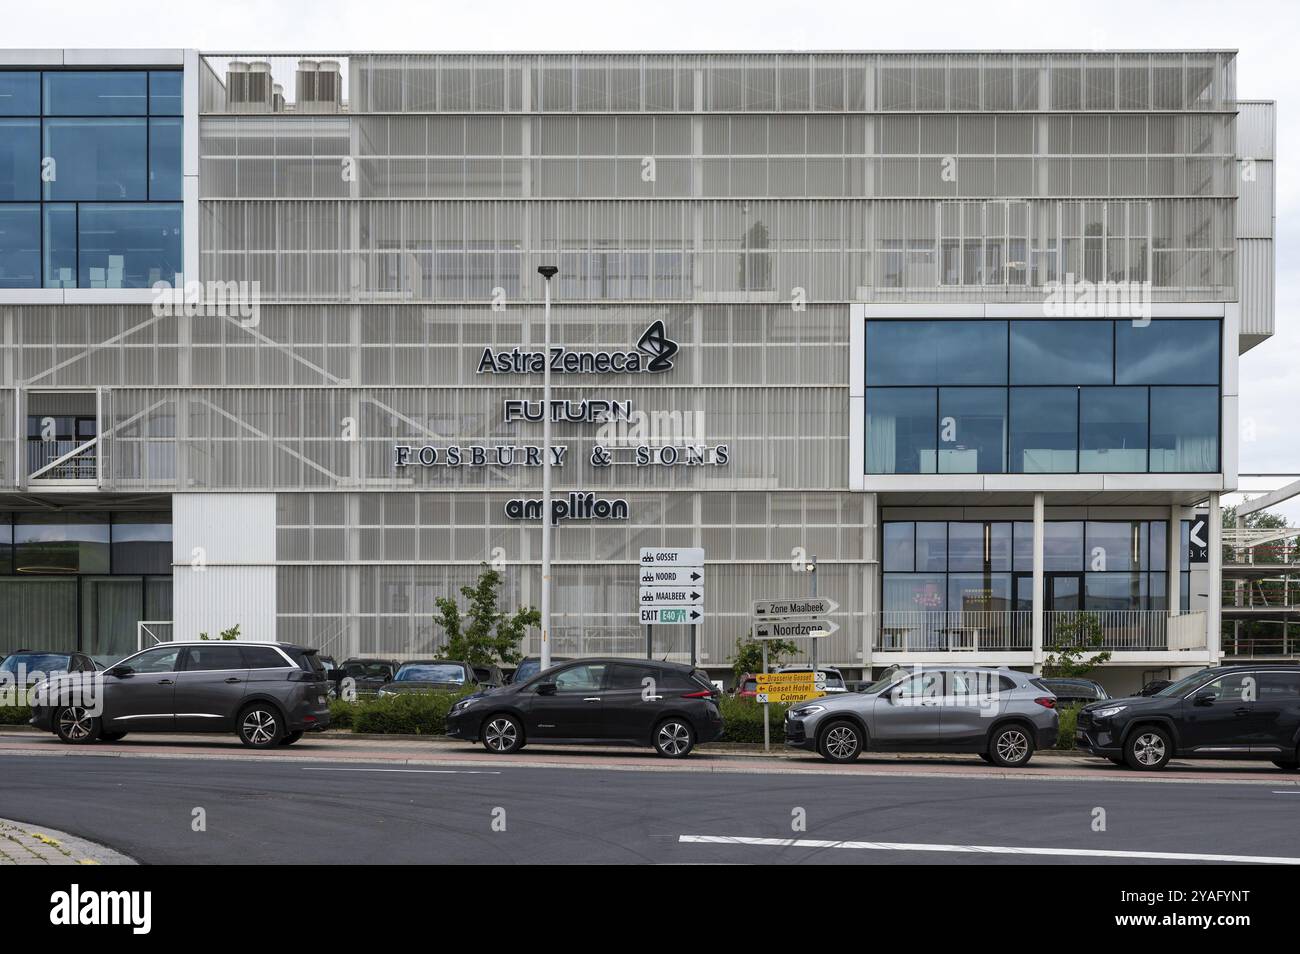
(641,702)
(268,693)
(1232,712)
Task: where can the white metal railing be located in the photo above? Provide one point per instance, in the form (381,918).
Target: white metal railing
(1121,630)
(955,630)
(152,632)
(62,460)
(1187,631)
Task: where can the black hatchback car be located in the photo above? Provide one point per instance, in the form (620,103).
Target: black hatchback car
(1231,712)
(598,701)
(267,693)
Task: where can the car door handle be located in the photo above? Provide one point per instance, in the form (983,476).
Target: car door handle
(234,679)
(1241,711)
(592,699)
(165,682)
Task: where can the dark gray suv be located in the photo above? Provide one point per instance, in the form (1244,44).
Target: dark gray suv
(267,693)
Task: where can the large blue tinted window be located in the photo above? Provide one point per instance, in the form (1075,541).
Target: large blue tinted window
(165,97)
(129,246)
(1061,352)
(97,159)
(96,93)
(1185,430)
(165,159)
(972,430)
(1112,430)
(900,430)
(936,352)
(20,160)
(61,246)
(20,246)
(1044,430)
(1167,351)
(20,94)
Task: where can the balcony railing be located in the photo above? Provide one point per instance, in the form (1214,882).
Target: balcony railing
(62,460)
(1012,630)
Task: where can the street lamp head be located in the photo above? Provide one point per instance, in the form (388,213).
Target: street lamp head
(546,271)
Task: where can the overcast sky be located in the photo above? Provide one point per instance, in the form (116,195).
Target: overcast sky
(1265,33)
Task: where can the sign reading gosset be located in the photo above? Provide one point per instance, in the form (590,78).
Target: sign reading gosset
(653,354)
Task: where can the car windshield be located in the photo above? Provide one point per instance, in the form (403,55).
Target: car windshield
(884,682)
(431,672)
(37,662)
(1182,686)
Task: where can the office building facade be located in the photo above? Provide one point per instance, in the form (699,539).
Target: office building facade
(960,330)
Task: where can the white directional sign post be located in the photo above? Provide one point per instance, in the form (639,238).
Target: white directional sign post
(801,618)
(672,591)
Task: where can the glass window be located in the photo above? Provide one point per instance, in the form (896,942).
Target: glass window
(631,677)
(159,659)
(1281,687)
(61,246)
(1185,430)
(972,593)
(95,93)
(165,159)
(936,352)
(97,159)
(966,546)
(1044,430)
(214,658)
(924,685)
(1062,545)
(901,430)
(166,93)
(129,246)
(20,246)
(263,657)
(20,94)
(972,430)
(1113,430)
(6,545)
(931,546)
(583,678)
(1238,687)
(900,547)
(61,543)
(1115,545)
(1114,591)
(1167,351)
(20,160)
(1061,352)
(142,543)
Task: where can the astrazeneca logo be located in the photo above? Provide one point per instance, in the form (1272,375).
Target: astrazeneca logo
(76,907)
(653,355)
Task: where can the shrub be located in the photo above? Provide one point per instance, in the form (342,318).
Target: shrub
(15,715)
(413,713)
(342,714)
(742,720)
(1068,715)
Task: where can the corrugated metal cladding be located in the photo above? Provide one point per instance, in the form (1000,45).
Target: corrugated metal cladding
(1255,203)
(1255,259)
(224,596)
(223,574)
(234,529)
(1257,129)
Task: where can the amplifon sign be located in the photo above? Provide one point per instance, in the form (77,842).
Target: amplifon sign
(653,354)
(571,506)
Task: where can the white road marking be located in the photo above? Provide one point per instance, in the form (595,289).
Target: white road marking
(983,849)
(414,771)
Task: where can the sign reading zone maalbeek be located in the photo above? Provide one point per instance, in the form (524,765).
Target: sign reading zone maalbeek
(672,586)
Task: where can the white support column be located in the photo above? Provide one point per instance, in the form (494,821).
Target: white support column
(1214,605)
(1174,560)
(1038,583)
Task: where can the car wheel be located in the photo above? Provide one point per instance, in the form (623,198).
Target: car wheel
(1011,746)
(76,726)
(502,734)
(674,738)
(112,736)
(260,726)
(291,738)
(1286,765)
(840,742)
(1148,748)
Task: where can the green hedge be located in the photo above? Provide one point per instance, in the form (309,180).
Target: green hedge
(1068,714)
(15,715)
(413,713)
(742,720)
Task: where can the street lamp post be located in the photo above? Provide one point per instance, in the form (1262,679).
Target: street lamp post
(547,272)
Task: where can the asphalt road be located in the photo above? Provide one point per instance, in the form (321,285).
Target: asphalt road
(304,810)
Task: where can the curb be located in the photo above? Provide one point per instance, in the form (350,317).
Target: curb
(23,843)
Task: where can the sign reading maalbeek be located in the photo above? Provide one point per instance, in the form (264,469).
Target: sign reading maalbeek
(672,586)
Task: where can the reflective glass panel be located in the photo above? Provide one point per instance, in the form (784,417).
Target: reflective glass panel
(1167,351)
(129,246)
(20,160)
(95,93)
(97,159)
(900,430)
(1185,430)
(1061,352)
(1113,430)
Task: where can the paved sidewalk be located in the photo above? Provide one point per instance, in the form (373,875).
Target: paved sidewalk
(25,844)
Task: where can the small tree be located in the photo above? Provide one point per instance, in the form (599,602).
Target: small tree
(484,635)
(1072,637)
(749,654)
(232,633)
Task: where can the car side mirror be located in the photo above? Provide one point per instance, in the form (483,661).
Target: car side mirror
(892,697)
(120,671)
(1205,699)
(546,689)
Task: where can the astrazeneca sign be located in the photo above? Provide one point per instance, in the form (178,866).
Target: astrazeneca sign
(653,355)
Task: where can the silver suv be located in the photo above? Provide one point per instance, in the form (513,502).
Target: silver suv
(1000,714)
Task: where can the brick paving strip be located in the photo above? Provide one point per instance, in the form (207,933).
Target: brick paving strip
(26,844)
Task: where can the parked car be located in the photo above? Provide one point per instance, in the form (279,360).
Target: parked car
(429,675)
(747,687)
(267,693)
(30,666)
(489,675)
(1001,714)
(530,666)
(1075,691)
(834,678)
(669,706)
(1237,712)
(367,675)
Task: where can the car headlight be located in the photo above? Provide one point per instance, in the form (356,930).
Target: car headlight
(807,710)
(463,704)
(1107,712)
